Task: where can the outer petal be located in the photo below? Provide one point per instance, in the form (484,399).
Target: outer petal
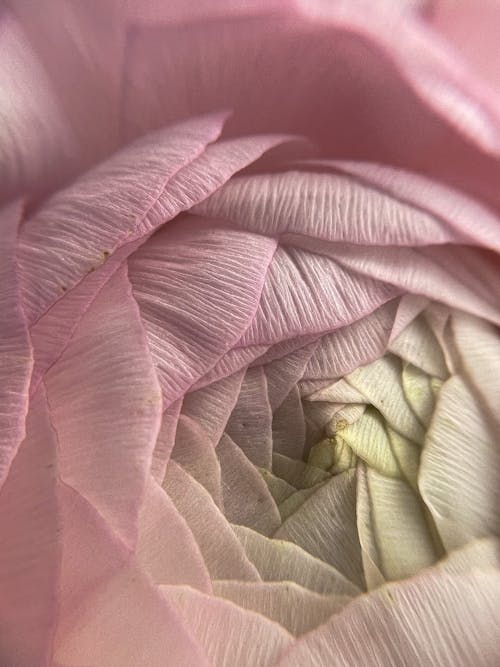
(102,210)
(111,613)
(105,404)
(293,607)
(15,347)
(30,525)
(340,57)
(471,28)
(36,140)
(432,619)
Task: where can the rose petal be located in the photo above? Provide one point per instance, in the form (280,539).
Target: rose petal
(296,609)
(36,140)
(166,548)
(224,557)
(220,625)
(325,526)
(279,560)
(30,524)
(197,287)
(103,209)
(15,346)
(460,468)
(105,405)
(434,618)
(250,422)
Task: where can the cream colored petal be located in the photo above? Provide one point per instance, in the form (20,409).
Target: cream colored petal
(380,382)
(460,468)
(417,345)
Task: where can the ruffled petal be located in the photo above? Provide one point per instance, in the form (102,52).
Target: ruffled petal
(197,287)
(224,557)
(353,203)
(460,468)
(105,404)
(295,608)
(435,619)
(325,526)
(104,209)
(15,346)
(250,423)
(30,525)
(220,625)
(166,549)
(280,560)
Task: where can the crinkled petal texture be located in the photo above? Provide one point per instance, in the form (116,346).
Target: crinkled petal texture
(249,396)
(371,81)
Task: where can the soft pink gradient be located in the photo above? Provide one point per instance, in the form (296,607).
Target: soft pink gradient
(178,268)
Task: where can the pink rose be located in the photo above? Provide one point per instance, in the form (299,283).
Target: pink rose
(265,433)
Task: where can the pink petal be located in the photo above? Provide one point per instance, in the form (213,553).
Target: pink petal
(283,374)
(166,548)
(105,405)
(104,209)
(389,207)
(340,57)
(197,457)
(219,626)
(224,556)
(235,360)
(111,612)
(36,139)
(432,619)
(51,334)
(250,422)
(15,347)
(471,27)
(435,276)
(30,525)
(289,426)
(89,51)
(211,406)
(246,498)
(165,440)
(298,287)
(295,608)
(197,287)
(342,351)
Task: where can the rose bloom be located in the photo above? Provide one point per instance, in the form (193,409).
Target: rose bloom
(250,372)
